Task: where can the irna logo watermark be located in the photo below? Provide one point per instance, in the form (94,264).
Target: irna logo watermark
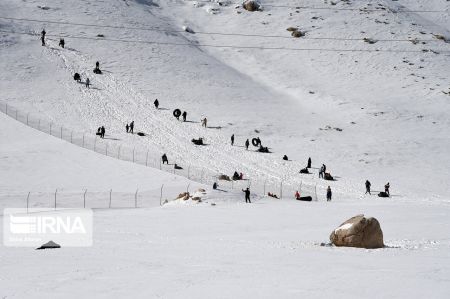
(67,227)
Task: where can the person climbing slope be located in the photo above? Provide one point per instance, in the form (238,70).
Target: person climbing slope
(43,36)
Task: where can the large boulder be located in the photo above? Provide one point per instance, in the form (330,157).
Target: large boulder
(251,5)
(358,232)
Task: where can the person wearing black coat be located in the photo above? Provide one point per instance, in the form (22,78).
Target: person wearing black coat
(368,184)
(329,193)
(247,195)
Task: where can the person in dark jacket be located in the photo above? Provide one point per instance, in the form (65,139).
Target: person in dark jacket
(386,188)
(184,115)
(127,127)
(247,143)
(103,132)
(88,82)
(309,162)
(321,172)
(156,103)
(247,195)
(164,159)
(368,184)
(329,193)
(132,127)
(43,37)
(62,42)
(232,140)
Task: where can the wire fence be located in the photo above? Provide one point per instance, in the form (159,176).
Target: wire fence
(95,199)
(279,188)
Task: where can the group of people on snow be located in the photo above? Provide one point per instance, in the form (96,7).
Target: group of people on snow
(101,132)
(130,127)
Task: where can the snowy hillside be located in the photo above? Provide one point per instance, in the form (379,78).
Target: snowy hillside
(365,90)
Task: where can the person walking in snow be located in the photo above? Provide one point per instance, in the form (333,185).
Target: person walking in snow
(247,195)
(247,143)
(205,122)
(329,193)
(232,140)
(62,42)
(127,127)
(386,189)
(309,162)
(43,37)
(368,184)
(324,168)
(164,159)
(321,171)
(103,132)
(297,195)
(184,115)
(132,127)
(156,103)
(88,82)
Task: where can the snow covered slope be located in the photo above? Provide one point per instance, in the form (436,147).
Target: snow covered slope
(391,104)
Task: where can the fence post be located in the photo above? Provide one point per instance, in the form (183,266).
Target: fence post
(146,159)
(95,142)
(201,178)
(135,198)
(27,118)
(84,199)
(315,191)
(118,152)
(160,167)
(56,191)
(28,201)
(189,171)
(110,196)
(265,182)
(187,189)
(133,153)
(160,197)
(50,129)
(106,149)
(281,190)
(39,125)
(61,132)
(6,109)
(83,140)
(71,137)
